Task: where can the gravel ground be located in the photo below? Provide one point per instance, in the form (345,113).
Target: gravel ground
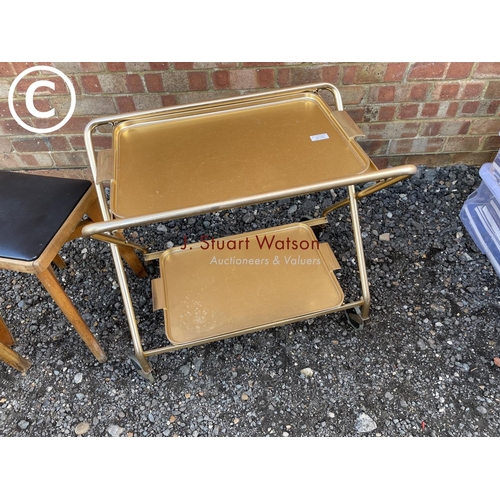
(422,367)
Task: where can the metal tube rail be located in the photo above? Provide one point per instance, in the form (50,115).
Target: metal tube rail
(112,225)
(365,192)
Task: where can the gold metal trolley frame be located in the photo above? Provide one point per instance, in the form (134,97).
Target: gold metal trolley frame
(187,160)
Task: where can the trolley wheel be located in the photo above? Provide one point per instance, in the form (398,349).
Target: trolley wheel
(354,318)
(317,230)
(148,376)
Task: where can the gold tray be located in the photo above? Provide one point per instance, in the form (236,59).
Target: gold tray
(234,285)
(232,155)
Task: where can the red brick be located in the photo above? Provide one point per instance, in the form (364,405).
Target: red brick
(183,65)
(487,69)
(11,127)
(134,83)
(220,79)
(492,143)
(75,125)
(349,75)
(447,91)
(91,83)
(418,92)
(470,107)
(168,100)
(19,67)
(116,66)
(75,83)
(330,74)
(59,85)
(431,129)
(92,67)
(4,109)
(29,160)
(472,90)
(451,112)
(21,109)
(386,113)
(401,146)
(493,90)
(226,64)
(395,72)
(158,66)
(74,159)
(6,69)
(58,143)
(386,93)
(374,148)
(375,130)
(430,109)
(383,162)
(197,80)
(284,77)
(29,145)
(459,70)
(408,111)
(493,107)
(154,82)
(427,71)
(125,104)
(464,143)
(265,78)
(357,114)
(485,126)
(99,141)
(431,145)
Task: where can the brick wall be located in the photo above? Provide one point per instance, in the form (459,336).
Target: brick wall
(425,113)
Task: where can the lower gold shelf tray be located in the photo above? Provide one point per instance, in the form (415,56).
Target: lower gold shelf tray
(224,287)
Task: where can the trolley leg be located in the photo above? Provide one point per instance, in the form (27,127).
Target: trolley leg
(365,290)
(139,360)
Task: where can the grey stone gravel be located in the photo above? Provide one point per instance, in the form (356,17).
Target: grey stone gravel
(364,423)
(423,366)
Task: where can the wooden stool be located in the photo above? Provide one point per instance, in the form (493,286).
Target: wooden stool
(38,215)
(7,355)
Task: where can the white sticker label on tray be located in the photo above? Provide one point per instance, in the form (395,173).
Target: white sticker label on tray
(319,137)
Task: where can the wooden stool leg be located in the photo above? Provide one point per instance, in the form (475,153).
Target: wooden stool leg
(13,359)
(59,262)
(6,337)
(52,285)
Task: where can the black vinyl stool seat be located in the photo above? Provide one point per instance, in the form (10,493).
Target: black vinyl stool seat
(32,210)
(38,215)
